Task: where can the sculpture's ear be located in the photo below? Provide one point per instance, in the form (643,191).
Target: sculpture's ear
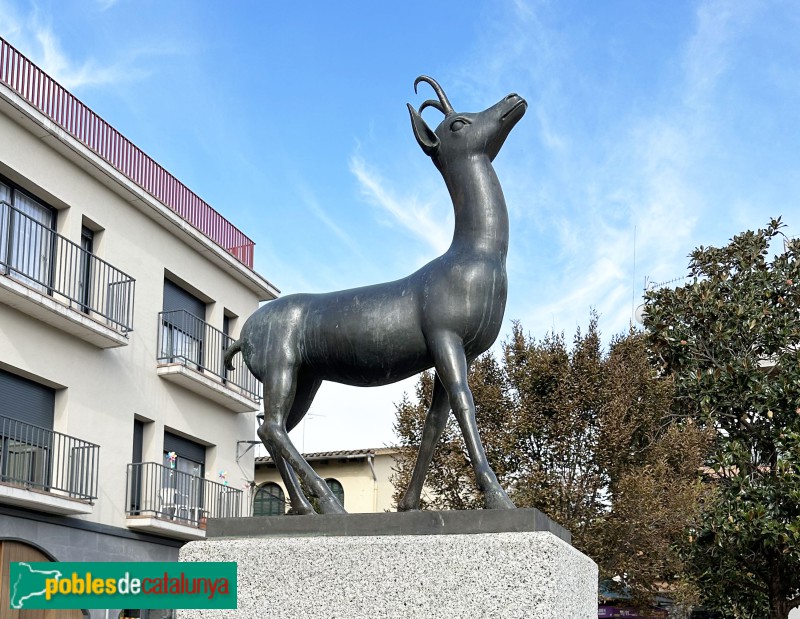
(425,137)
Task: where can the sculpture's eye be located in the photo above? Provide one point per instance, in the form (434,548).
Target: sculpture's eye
(458,124)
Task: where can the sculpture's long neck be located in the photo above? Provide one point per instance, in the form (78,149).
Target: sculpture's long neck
(481,218)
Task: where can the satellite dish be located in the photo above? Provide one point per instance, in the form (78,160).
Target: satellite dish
(639,314)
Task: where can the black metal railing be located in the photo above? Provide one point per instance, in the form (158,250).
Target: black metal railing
(42,459)
(162,492)
(184,338)
(43,259)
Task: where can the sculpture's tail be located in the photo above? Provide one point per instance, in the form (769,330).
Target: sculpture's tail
(234,349)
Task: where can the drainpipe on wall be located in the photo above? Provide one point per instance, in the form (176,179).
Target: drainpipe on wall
(371,462)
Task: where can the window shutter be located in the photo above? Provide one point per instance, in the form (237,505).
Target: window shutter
(185,448)
(176,298)
(26,401)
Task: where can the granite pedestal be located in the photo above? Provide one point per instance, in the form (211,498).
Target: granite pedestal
(508,564)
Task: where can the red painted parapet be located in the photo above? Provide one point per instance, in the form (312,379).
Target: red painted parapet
(72,115)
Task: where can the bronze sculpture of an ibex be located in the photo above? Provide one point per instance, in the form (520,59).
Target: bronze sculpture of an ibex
(442,316)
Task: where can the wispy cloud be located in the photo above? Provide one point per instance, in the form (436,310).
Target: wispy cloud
(670,146)
(104,5)
(10,23)
(407,211)
(73,75)
(707,53)
(597,187)
(316,209)
(644,186)
(33,35)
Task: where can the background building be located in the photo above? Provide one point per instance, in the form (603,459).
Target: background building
(360,478)
(120,429)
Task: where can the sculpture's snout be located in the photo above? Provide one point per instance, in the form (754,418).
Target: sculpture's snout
(500,120)
(517,108)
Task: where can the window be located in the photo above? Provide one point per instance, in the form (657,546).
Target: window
(182,484)
(182,464)
(85,272)
(26,237)
(26,423)
(337,489)
(226,325)
(226,337)
(269,501)
(138,441)
(136,472)
(183,326)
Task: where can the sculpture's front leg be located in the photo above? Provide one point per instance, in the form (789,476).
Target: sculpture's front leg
(435,423)
(451,367)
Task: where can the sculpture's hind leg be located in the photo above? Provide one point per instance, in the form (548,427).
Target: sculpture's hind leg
(298,502)
(435,423)
(307,386)
(451,367)
(280,387)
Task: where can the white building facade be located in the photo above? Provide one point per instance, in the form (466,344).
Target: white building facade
(120,429)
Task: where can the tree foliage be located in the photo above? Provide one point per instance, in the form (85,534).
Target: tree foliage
(583,435)
(730,340)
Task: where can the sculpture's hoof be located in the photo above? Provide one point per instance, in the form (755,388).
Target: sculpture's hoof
(303,511)
(497,499)
(407,506)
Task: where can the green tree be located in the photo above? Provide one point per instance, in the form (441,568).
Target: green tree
(584,435)
(730,341)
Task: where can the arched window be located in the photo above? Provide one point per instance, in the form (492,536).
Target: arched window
(269,501)
(337,489)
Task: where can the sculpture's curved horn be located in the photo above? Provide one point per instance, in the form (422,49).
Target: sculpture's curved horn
(446,108)
(434,104)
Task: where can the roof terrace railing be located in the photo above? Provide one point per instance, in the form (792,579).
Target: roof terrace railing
(75,117)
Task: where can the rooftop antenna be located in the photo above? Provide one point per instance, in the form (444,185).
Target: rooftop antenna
(303,441)
(638,314)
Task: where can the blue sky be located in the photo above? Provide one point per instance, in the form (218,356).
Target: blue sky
(672,123)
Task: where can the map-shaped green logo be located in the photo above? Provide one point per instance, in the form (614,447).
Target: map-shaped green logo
(121,584)
(29,583)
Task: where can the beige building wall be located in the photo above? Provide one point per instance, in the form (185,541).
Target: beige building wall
(365,476)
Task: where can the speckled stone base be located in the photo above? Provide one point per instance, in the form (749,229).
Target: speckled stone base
(533,575)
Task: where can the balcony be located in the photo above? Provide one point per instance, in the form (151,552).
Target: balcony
(191,354)
(46,470)
(47,276)
(175,504)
